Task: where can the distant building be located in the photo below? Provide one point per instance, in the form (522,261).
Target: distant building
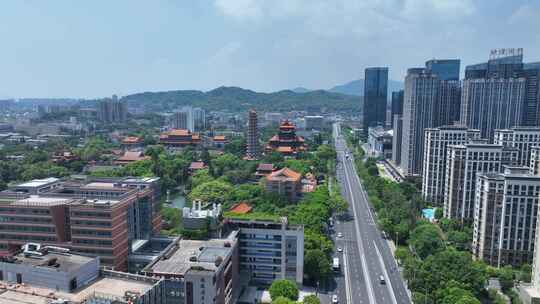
(375,97)
(132,143)
(131,157)
(286,183)
(178,138)
(380,142)
(183,120)
(397,105)
(397,139)
(264,169)
(112,111)
(252,138)
(197,218)
(314,122)
(199,119)
(219,141)
(521,138)
(534,163)
(286,141)
(273,118)
(508,85)
(505,217)
(435,157)
(463,163)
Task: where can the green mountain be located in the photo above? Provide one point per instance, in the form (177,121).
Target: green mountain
(238,99)
(356,87)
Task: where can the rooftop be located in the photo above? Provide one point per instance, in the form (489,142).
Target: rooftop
(64,262)
(285,174)
(38,182)
(42,201)
(241,208)
(202,255)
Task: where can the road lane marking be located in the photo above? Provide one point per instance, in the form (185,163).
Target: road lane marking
(360,245)
(385,273)
(347,278)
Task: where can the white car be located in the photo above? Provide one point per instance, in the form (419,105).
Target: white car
(339,249)
(339,235)
(334,299)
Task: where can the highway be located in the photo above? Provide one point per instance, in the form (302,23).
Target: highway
(366,254)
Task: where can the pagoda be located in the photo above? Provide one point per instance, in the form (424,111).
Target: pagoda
(286,141)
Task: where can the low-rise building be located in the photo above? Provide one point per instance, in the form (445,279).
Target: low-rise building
(130,157)
(98,217)
(264,169)
(219,141)
(132,143)
(286,183)
(178,138)
(44,275)
(199,272)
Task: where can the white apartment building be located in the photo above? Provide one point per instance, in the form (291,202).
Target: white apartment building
(436,141)
(505,215)
(522,138)
(462,165)
(534,163)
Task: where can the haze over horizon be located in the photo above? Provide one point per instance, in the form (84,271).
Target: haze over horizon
(98,48)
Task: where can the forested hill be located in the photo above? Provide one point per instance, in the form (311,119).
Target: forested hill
(238,99)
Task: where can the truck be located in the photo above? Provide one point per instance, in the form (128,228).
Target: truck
(335,264)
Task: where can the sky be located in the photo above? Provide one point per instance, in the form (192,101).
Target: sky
(97,48)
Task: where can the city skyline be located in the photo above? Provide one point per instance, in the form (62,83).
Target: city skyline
(97,49)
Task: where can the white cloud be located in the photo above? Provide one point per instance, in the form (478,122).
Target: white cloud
(239,9)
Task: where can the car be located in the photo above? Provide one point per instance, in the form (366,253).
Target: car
(339,249)
(334,299)
(382,280)
(339,235)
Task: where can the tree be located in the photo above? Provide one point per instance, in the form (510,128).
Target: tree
(284,288)
(506,277)
(426,240)
(438,213)
(315,240)
(311,299)
(455,292)
(316,265)
(212,192)
(282,300)
(526,272)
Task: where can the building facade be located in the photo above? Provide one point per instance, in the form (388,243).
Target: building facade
(97,217)
(521,138)
(270,250)
(112,110)
(505,217)
(286,142)
(463,162)
(380,142)
(375,97)
(285,182)
(397,139)
(252,138)
(397,105)
(435,153)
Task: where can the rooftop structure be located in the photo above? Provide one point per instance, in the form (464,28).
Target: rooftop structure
(285,182)
(179,138)
(286,141)
(131,157)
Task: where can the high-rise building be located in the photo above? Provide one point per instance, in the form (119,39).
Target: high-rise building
(199,119)
(501,93)
(179,120)
(397,105)
(534,163)
(492,103)
(419,102)
(463,162)
(521,138)
(397,139)
(112,110)
(505,216)
(252,138)
(375,97)
(435,152)
(446,69)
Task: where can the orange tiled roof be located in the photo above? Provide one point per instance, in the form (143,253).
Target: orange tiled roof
(179,132)
(285,173)
(131,140)
(130,156)
(241,208)
(285,149)
(196,165)
(219,138)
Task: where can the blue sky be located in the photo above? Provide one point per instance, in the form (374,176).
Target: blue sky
(99,48)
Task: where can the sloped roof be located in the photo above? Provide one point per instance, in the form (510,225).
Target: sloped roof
(241,208)
(285,174)
(265,167)
(179,132)
(219,138)
(197,165)
(132,156)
